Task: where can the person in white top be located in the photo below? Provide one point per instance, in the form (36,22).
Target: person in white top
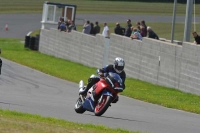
(105,30)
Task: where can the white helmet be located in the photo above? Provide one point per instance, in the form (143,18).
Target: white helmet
(119,64)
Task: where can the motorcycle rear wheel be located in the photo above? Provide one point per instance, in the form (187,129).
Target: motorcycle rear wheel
(102,105)
(79,107)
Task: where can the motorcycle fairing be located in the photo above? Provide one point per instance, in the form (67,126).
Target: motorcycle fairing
(105,92)
(99,86)
(89,104)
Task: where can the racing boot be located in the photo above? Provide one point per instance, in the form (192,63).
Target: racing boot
(91,81)
(86,88)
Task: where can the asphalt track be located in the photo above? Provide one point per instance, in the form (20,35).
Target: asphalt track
(28,90)
(20,24)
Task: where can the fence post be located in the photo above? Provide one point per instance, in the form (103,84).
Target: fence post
(106,50)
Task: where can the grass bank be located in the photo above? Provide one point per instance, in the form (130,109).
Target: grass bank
(16,122)
(95,6)
(13,49)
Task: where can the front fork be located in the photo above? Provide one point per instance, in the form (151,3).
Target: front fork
(82,99)
(105,93)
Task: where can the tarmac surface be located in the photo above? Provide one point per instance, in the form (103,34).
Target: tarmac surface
(21,24)
(30,91)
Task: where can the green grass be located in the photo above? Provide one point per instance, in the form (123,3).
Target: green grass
(105,7)
(16,122)
(13,50)
(34,33)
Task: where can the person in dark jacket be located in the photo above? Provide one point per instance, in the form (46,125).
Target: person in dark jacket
(119,30)
(128,28)
(96,28)
(196,37)
(143,24)
(152,34)
(92,29)
(71,27)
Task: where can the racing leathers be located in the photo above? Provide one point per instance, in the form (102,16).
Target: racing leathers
(103,72)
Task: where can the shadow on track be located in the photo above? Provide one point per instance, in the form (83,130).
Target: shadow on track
(116,118)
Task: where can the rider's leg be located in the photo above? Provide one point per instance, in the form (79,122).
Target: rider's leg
(91,81)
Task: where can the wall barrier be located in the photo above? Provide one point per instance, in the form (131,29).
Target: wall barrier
(154,61)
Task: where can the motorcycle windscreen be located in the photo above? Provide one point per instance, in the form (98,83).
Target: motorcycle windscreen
(89,104)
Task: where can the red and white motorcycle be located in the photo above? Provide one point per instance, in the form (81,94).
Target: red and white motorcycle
(108,88)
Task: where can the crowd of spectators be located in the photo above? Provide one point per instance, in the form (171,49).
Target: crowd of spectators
(66,26)
(138,31)
(90,28)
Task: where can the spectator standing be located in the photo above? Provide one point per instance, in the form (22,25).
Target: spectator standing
(138,24)
(152,34)
(105,30)
(145,27)
(128,28)
(119,30)
(87,27)
(72,26)
(92,29)
(135,34)
(138,28)
(96,28)
(196,37)
(142,31)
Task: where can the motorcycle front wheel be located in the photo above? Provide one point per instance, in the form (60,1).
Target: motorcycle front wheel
(79,107)
(103,105)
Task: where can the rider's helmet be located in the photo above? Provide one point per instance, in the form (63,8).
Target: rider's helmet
(119,64)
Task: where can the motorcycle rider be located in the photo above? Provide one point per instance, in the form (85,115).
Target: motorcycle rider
(117,67)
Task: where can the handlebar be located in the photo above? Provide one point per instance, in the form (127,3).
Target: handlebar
(101,75)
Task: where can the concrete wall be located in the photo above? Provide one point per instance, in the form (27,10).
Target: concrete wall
(149,60)
(74,46)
